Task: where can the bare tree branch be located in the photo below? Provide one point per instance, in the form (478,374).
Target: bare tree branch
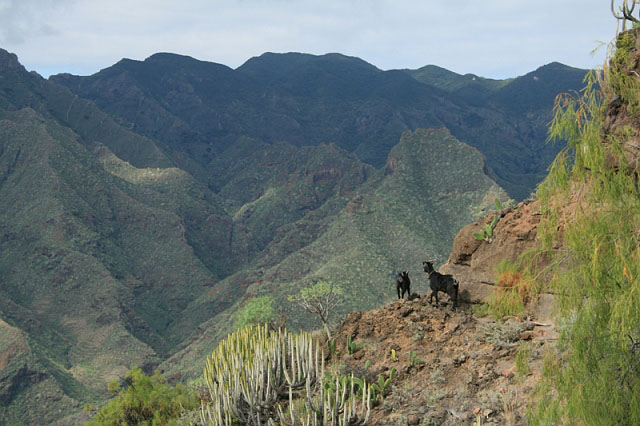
(627,12)
(319,299)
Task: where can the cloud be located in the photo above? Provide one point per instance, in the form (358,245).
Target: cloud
(22,19)
(495,38)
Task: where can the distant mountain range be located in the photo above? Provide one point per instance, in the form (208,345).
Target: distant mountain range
(197,109)
(142,206)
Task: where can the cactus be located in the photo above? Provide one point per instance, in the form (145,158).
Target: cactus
(380,387)
(497,203)
(331,345)
(352,347)
(479,236)
(335,404)
(253,370)
(487,232)
(627,11)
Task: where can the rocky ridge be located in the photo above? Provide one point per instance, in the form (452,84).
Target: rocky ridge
(453,366)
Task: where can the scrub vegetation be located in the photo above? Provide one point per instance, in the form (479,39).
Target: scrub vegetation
(591,204)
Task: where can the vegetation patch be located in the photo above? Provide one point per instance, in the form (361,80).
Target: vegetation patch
(144,400)
(514,289)
(592,377)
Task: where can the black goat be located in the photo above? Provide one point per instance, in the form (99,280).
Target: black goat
(403,283)
(439,282)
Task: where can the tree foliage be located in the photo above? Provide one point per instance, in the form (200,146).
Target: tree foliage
(592,212)
(257,310)
(320,299)
(145,400)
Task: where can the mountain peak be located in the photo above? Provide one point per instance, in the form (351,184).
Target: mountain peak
(9,61)
(554,70)
(301,58)
(165,62)
(273,66)
(167,57)
(557,66)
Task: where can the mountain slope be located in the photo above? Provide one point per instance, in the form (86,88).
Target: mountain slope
(20,89)
(399,217)
(453,82)
(107,264)
(199,109)
(97,257)
(132,238)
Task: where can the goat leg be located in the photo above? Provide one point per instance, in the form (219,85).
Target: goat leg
(433,293)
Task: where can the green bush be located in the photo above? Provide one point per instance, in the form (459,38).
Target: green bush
(258,310)
(593,377)
(145,400)
(320,299)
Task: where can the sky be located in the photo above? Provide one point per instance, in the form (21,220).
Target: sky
(490,38)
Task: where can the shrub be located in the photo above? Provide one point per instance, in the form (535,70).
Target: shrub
(257,310)
(513,291)
(145,400)
(594,377)
(320,299)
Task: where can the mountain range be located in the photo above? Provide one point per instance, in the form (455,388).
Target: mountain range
(198,109)
(143,205)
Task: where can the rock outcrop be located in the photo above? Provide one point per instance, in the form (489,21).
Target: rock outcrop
(452,367)
(473,262)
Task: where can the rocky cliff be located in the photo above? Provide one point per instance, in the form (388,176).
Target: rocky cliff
(473,262)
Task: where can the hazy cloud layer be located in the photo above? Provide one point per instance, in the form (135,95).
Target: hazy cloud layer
(492,38)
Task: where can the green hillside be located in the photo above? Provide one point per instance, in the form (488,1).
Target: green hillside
(97,257)
(143,206)
(198,109)
(401,216)
(113,255)
(453,82)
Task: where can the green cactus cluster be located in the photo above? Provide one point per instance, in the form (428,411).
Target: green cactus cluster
(331,345)
(341,401)
(352,347)
(379,389)
(376,390)
(487,232)
(254,369)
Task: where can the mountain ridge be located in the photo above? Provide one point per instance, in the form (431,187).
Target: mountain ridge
(113,239)
(328,98)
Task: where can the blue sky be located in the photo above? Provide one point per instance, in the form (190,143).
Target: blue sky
(490,38)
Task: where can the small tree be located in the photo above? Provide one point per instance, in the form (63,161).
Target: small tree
(258,310)
(320,299)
